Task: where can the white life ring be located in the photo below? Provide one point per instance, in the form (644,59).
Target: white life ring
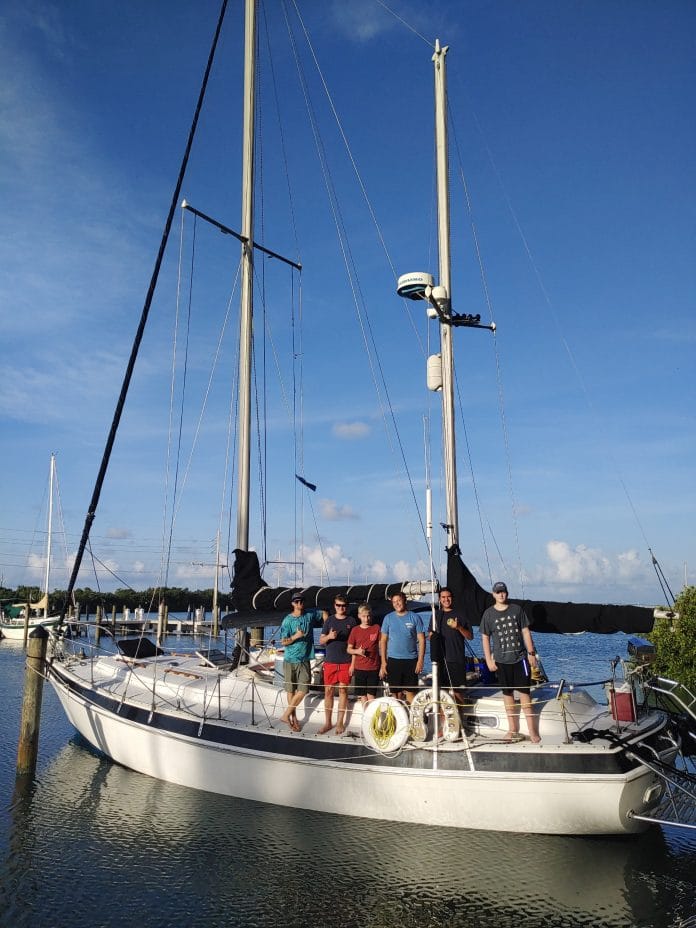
(386,725)
(449,712)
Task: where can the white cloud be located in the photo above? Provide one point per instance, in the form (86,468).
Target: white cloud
(331,564)
(379,571)
(36,565)
(119,533)
(630,566)
(326,564)
(582,565)
(361,19)
(404,570)
(351,430)
(195,571)
(330,510)
(577,565)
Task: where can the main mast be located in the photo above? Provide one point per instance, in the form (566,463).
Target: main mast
(247,282)
(443,235)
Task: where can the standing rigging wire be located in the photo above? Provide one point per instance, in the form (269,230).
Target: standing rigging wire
(299,546)
(61,517)
(566,346)
(344,138)
(167,533)
(298,454)
(662,580)
(297,451)
(230,459)
(179,484)
(232,436)
(474,483)
(261,441)
(206,396)
(499,378)
(261,432)
(404,23)
(359,303)
(96,493)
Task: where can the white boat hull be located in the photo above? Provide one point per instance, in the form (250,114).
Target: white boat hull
(289,769)
(14,631)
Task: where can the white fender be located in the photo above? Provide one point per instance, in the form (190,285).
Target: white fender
(385,725)
(449,710)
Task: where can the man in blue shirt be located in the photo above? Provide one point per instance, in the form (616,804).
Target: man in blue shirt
(402,648)
(297,637)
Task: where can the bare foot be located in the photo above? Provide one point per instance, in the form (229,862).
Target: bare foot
(340,729)
(294,724)
(289,721)
(327,727)
(535,739)
(513,737)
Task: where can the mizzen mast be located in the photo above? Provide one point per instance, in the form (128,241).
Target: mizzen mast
(443,237)
(419,285)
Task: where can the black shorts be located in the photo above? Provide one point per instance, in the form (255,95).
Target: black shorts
(452,674)
(513,677)
(366,682)
(401,674)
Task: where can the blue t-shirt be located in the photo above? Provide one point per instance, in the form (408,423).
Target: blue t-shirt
(403,634)
(336,652)
(303,648)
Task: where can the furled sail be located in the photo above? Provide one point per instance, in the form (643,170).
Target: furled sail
(470,596)
(40,606)
(253,599)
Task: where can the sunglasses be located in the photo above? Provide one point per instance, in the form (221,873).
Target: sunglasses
(341,605)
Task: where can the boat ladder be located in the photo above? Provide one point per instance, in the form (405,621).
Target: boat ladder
(677,698)
(678,806)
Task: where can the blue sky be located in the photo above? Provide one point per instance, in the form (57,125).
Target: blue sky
(573,128)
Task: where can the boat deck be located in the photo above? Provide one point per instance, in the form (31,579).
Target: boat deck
(252,697)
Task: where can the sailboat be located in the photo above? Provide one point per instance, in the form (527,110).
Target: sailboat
(15,622)
(211,721)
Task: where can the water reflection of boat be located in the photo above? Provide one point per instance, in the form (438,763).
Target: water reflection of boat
(145,846)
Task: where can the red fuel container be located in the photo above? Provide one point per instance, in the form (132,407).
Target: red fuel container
(622,703)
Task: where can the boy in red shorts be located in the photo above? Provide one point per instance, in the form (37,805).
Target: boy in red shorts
(334,636)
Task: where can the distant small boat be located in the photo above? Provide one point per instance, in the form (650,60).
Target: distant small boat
(13,619)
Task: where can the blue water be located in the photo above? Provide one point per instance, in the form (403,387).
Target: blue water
(96,845)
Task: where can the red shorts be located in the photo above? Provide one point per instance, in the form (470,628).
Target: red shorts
(336,673)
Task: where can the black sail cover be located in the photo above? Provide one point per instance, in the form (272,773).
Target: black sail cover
(470,596)
(255,602)
(253,598)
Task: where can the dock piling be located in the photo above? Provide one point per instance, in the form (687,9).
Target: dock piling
(98,622)
(28,747)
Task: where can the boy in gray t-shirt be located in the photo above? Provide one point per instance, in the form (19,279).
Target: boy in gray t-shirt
(511,656)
